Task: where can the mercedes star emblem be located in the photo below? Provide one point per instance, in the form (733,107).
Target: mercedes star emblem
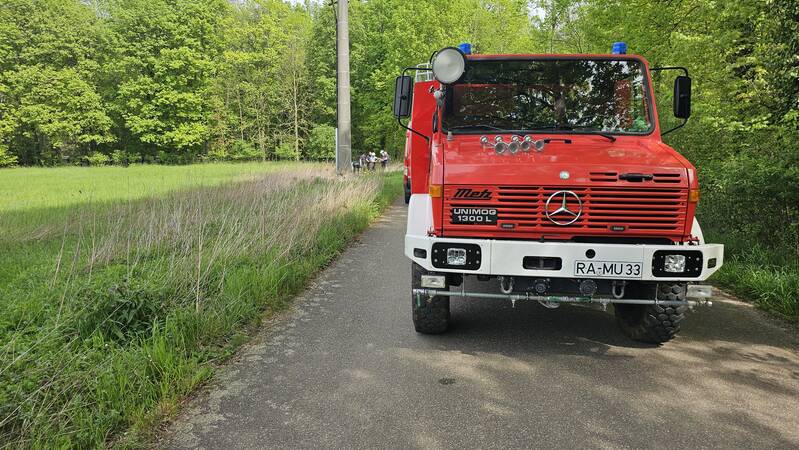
(566,215)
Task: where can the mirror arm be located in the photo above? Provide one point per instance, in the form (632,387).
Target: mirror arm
(685,72)
(426,138)
(399,119)
(675,128)
(657,69)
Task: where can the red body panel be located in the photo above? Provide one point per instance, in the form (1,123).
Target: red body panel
(468,162)
(520,184)
(406,161)
(424,105)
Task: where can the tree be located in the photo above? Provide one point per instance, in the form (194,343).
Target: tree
(322,143)
(293,75)
(165,57)
(60,111)
(263,79)
(50,108)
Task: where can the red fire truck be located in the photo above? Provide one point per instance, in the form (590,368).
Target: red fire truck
(548,174)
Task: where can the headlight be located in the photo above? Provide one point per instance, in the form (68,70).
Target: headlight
(434,281)
(449,65)
(677,263)
(674,263)
(456,256)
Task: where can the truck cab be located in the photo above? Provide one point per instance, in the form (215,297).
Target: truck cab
(549,173)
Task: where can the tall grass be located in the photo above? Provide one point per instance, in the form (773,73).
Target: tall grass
(767,277)
(124,306)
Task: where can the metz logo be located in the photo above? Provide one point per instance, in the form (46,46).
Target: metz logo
(472,195)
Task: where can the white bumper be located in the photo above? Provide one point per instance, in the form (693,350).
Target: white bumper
(505,257)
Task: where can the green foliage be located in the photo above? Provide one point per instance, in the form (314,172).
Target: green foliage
(97,159)
(286,151)
(243,151)
(322,143)
(121,157)
(51,110)
(217,153)
(118,309)
(388,35)
(7,159)
(164,64)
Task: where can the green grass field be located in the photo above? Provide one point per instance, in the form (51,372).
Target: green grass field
(121,287)
(68,186)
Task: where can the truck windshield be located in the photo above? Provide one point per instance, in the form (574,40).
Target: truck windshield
(579,95)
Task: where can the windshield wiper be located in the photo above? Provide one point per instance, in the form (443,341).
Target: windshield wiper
(479,126)
(607,136)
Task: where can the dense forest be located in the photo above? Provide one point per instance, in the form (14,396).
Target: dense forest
(98,81)
(92,81)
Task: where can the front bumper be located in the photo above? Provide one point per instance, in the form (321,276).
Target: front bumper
(506,257)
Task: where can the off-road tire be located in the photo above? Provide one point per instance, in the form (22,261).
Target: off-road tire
(654,324)
(407,191)
(430,315)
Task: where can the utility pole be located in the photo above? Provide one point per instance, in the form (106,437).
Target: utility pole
(344,130)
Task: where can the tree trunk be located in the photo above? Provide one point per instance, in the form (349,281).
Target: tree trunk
(261,143)
(296,118)
(241,114)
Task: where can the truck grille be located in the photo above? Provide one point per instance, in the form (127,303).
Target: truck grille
(606,210)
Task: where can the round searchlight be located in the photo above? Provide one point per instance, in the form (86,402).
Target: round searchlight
(449,65)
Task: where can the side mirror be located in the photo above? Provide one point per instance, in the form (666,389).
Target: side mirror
(682,97)
(403,96)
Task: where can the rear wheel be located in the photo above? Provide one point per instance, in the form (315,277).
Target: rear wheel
(430,314)
(407,191)
(653,324)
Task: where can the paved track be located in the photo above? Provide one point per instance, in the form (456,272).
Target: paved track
(344,369)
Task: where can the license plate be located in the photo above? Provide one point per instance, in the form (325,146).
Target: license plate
(474,216)
(607,269)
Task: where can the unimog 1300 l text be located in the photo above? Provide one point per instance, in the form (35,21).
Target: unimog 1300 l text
(548,172)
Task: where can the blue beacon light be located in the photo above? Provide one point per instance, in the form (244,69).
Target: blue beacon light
(465,48)
(619,48)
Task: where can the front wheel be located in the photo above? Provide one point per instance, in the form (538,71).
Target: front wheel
(430,314)
(653,324)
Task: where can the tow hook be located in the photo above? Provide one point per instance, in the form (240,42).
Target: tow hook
(506,284)
(618,289)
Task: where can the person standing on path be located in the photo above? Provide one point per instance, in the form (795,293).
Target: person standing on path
(383,159)
(372,161)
